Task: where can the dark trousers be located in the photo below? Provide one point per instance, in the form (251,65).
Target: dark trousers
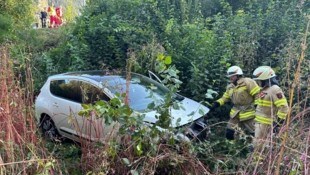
(43,20)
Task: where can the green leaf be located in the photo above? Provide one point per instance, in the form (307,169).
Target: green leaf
(168,60)
(210,91)
(139,149)
(100,102)
(85,106)
(175,106)
(160,57)
(209,104)
(126,161)
(151,105)
(208,96)
(179,120)
(293,172)
(134,172)
(201,112)
(192,113)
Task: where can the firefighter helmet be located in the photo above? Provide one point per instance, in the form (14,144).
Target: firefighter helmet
(234,70)
(263,73)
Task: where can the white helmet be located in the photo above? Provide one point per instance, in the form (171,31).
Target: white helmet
(263,73)
(234,70)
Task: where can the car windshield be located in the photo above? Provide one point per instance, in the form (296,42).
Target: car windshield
(142,91)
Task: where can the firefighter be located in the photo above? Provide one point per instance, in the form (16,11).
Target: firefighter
(241,92)
(52,14)
(272,107)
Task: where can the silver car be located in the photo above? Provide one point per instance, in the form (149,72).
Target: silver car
(61,98)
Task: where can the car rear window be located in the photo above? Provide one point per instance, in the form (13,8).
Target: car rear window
(67,89)
(77,91)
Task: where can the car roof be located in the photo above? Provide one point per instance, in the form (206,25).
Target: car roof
(96,75)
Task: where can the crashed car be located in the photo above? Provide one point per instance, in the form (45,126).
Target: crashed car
(61,98)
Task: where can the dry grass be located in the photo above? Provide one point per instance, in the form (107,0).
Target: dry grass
(21,151)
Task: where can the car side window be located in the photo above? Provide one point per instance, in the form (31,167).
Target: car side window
(91,94)
(68,89)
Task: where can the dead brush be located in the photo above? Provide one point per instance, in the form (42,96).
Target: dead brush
(20,149)
(169,159)
(288,151)
(295,157)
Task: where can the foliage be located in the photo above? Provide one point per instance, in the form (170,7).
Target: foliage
(203,45)
(5,26)
(140,140)
(70,13)
(204,38)
(21,149)
(223,155)
(15,15)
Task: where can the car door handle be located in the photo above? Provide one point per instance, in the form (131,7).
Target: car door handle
(55,105)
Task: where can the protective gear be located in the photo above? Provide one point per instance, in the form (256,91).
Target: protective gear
(271,105)
(263,73)
(276,127)
(215,105)
(234,70)
(242,96)
(247,125)
(261,133)
(274,81)
(230,134)
(269,82)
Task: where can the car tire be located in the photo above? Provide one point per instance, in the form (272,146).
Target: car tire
(49,129)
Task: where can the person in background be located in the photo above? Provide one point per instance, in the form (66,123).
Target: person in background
(37,20)
(272,107)
(43,17)
(241,92)
(52,14)
(58,16)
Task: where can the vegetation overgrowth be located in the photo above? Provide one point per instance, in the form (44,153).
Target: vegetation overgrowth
(190,44)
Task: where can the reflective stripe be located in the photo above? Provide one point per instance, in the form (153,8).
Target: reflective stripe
(221,101)
(243,88)
(247,115)
(263,120)
(281,115)
(281,102)
(232,112)
(256,101)
(226,95)
(263,102)
(255,90)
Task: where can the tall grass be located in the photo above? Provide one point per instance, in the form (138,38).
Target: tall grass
(288,151)
(21,151)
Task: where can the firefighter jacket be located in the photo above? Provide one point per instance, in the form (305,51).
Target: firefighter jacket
(271,105)
(242,96)
(51,11)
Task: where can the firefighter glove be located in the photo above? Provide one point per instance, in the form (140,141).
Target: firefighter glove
(230,133)
(215,105)
(277,126)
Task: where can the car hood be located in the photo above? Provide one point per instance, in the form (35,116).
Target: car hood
(189,111)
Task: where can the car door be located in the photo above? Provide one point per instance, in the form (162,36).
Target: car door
(66,103)
(93,126)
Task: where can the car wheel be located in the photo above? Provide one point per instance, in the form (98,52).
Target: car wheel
(49,129)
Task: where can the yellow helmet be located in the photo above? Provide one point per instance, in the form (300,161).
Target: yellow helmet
(234,70)
(263,73)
